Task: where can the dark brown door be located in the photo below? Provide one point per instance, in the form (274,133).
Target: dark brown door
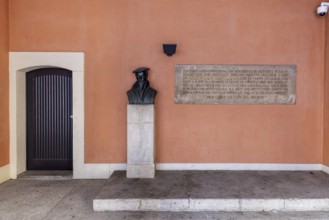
(49,123)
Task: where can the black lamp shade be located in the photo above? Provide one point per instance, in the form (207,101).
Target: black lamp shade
(169,49)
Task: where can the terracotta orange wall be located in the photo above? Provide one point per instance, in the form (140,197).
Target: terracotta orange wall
(4,84)
(326,98)
(118,36)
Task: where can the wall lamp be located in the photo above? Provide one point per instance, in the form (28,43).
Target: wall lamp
(322,9)
(169,49)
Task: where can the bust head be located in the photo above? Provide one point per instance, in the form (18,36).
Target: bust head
(141,92)
(141,74)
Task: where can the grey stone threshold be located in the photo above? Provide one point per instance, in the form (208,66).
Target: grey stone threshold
(46,175)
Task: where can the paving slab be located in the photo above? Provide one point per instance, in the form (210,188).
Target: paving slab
(72,199)
(216,191)
(31,201)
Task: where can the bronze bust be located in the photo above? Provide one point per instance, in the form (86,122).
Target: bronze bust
(141,93)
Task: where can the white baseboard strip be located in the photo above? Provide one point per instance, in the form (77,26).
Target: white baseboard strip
(325,169)
(98,171)
(104,171)
(4,173)
(190,205)
(238,166)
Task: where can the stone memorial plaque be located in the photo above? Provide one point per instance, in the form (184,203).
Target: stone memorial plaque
(235,84)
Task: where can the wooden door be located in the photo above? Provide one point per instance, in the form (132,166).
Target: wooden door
(49,122)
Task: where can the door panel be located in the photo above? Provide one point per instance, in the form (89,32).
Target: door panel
(49,123)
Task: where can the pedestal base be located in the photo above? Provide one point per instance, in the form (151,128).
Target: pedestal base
(140,171)
(140,152)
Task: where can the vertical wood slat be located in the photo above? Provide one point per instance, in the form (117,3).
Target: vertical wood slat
(51,133)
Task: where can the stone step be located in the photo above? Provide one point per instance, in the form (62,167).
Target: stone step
(233,205)
(217,191)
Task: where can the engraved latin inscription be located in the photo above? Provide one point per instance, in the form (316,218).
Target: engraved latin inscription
(235,84)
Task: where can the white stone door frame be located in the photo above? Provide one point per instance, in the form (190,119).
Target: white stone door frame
(19,64)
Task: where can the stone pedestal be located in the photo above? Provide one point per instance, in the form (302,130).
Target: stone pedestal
(141,150)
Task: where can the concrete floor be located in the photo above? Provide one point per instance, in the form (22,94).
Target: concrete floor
(219,184)
(72,199)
